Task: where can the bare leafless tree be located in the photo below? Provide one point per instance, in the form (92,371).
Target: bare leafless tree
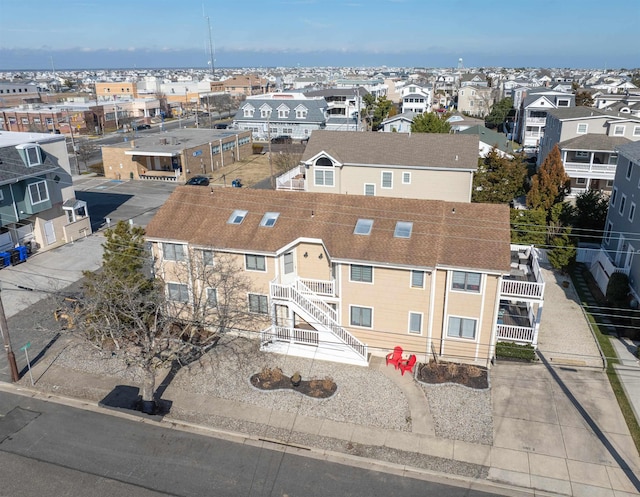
(154,324)
(287,158)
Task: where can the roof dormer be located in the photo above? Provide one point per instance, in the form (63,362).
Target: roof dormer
(265,111)
(301,112)
(31,154)
(283,111)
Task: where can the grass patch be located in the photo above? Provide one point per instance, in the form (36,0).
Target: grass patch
(612,358)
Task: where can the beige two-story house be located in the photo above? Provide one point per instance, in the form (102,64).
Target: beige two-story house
(414,165)
(344,277)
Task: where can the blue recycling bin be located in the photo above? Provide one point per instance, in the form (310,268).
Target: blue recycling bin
(22,250)
(5,259)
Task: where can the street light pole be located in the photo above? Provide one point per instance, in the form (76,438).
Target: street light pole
(11,358)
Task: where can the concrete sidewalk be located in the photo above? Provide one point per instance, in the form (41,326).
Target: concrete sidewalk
(557,431)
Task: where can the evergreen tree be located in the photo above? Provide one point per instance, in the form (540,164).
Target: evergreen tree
(429,122)
(563,253)
(550,184)
(498,179)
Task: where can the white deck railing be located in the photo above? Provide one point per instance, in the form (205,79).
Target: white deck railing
(516,333)
(287,181)
(293,335)
(321,287)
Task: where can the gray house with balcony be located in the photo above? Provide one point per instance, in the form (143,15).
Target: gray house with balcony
(588,139)
(620,247)
(37,203)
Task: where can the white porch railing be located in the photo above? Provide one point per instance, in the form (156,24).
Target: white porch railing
(320,287)
(608,170)
(516,333)
(288,181)
(522,289)
(318,314)
(607,265)
(293,335)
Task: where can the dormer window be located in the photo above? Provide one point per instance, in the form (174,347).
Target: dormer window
(283,111)
(269,219)
(237,217)
(363,227)
(265,112)
(301,112)
(248,112)
(31,154)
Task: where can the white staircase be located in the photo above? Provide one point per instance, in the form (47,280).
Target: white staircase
(330,341)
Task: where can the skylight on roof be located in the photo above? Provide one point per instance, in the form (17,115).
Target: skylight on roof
(403,229)
(237,217)
(269,219)
(363,227)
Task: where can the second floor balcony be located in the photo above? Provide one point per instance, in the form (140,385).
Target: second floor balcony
(584,163)
(525,281)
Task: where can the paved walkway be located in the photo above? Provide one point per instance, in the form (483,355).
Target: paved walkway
(565,337)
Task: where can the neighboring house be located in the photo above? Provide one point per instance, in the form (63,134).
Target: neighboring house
(476,100)
(625,104)
(246,85)
(459,122)
(532,113)
(37,202)
(84,118)
(415,99)
(344,277)
(400,123)
(116,91)
(621,240)
(343,106)
(588,139)
(175,155)
(281,114)
(472,79)
(416,165)
(490,139)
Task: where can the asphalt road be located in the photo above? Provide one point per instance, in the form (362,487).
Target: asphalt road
(52,449)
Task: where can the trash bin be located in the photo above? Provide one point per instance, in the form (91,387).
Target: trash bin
(5,259)
(23,251)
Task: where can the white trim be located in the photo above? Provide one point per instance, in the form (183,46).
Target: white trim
(411,285)
(360,281)
(46,189)
(403,177)
(365,189)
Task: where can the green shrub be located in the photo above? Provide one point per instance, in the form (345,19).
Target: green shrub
(510,350)
(618,290)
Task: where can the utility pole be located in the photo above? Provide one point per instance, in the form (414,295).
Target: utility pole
(273,186)
(4,330)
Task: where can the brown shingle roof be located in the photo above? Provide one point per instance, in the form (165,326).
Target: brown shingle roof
(593,141)
(401,149)
(444,233)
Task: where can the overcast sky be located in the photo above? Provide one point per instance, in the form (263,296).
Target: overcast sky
(163,33)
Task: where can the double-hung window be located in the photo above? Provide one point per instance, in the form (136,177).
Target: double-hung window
(178,292)
(417,279)
(288,263)
(415,322)
(258,304)
(362,274)
(468,282)
(387,179)
(255,262)
(212,297)
(461,327)
(173,252)
(38,192)
(361,316)
(323,177)
(207,257)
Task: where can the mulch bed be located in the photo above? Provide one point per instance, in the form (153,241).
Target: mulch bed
(449,372)
(274,379)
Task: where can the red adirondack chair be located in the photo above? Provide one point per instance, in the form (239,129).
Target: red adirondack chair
(408,364)
(395,357)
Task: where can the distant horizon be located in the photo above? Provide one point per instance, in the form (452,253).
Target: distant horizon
(78,34)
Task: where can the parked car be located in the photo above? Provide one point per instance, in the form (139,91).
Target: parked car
(143,126)
(281,139)
(198,180)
